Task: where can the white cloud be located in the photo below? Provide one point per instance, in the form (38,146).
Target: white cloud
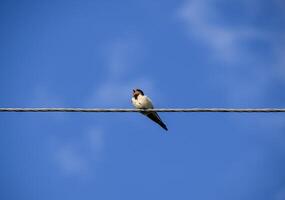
(121,55)
(280,194)
(70,160)
(121,58)
(203,20)
(79,157)
(280,59)
(76,157)
(117,93)
(250,75)
(96,139)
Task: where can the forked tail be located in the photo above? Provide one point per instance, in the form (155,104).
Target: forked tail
(155,117)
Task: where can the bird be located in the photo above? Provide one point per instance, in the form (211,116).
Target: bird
(141,101)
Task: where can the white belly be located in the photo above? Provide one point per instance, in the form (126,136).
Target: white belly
(142,102)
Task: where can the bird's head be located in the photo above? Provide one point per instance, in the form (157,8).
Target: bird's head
(137,92)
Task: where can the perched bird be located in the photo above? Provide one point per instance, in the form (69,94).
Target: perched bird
(141,101)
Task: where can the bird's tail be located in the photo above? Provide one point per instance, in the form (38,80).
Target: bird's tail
(155,117)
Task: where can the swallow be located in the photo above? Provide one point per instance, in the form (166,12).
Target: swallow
(141,101)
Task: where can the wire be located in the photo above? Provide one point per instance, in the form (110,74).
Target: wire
(140,110)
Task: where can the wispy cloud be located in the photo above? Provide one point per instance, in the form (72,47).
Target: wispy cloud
(70,160)
(95,138)
(280,194)
(251,54)
(204,21)
(232,41)
(78,157)
(117,93)
(121,58)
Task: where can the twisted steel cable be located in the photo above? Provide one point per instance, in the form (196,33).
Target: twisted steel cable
(241,110)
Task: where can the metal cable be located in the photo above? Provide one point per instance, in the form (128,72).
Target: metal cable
(140,110)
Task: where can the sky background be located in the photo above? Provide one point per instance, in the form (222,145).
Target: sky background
(183,54)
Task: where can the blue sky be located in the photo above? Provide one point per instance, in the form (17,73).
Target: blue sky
(196,53)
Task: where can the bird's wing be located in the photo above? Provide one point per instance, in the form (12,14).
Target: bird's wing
(152,115)
(155,117)
(147,103)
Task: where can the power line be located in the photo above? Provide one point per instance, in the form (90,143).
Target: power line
(140,110)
